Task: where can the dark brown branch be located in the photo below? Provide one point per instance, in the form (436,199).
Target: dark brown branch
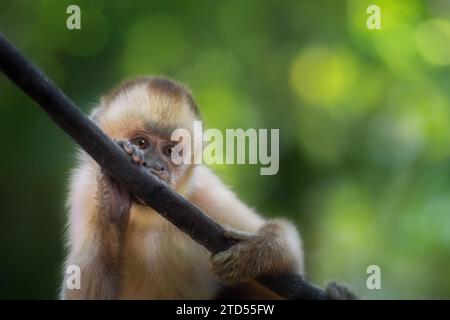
(158,195)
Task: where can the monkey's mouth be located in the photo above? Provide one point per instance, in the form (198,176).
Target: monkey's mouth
(160,176)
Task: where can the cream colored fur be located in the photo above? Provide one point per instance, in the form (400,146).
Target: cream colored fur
(159,261)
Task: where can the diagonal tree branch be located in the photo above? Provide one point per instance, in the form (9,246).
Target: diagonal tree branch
(155,193)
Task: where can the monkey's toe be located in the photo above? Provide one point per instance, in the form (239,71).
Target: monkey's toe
(335,291)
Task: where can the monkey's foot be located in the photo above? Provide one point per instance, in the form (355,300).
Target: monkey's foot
(336,291)
(267,252)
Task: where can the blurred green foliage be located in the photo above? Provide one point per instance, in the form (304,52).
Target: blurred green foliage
(364,118)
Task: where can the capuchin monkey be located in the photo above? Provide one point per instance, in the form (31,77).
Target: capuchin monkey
(126,250)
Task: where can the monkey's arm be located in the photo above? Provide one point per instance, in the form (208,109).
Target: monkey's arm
(97,248)
(220,203)
(266,247)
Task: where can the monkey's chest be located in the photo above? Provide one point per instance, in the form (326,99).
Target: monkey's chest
(163,263)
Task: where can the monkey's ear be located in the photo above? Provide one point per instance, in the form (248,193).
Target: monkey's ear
(95,113)
(336,291)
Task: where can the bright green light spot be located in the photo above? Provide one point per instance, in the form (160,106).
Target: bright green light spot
(433,41)
(321,76)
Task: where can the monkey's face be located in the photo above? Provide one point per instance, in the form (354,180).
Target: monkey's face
(156,153)
(145,112)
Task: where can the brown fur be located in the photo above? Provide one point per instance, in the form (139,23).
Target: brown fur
(138,254)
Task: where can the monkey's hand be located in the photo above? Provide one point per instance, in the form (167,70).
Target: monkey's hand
(133,151)
(113,199)
(274,249)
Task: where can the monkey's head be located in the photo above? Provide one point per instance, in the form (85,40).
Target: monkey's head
(145,111)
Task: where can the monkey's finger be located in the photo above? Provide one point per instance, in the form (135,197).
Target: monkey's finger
(133,151)
(137,156)
(221,258)
(239,235)
(227,275)
(126,145)
(229,259)
(230,274)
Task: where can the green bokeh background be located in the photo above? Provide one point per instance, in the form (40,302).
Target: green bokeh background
(364,118)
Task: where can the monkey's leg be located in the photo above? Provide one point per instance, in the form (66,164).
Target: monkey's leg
(274,249)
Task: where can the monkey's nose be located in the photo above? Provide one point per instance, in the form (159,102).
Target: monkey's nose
(156,167)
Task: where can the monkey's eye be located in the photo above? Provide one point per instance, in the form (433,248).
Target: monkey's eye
(141,142)
(167,149)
